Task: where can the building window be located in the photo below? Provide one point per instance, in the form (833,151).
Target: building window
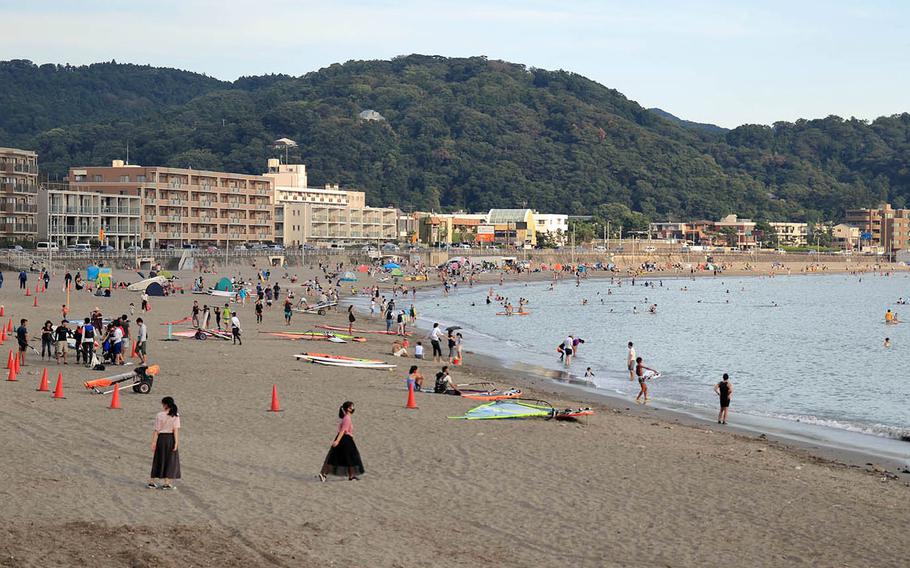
(96,177)
(124,178)
(140,178)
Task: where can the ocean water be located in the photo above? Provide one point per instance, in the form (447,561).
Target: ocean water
(816,358)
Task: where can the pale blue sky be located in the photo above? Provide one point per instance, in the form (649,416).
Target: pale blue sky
(727,62)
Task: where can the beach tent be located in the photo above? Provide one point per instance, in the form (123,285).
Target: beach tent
(390,266)
(155,289)
(103,280)
(348,277)
(91,273)
(224,285)
(363,268)
(396,272)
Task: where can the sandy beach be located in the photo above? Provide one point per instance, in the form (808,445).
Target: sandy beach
(622,488)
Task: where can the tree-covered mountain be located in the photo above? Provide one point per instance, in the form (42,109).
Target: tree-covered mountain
(459,133)
(702,126)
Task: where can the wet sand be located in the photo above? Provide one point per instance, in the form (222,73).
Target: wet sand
(619,489)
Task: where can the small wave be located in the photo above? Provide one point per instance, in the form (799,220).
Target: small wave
(881,430)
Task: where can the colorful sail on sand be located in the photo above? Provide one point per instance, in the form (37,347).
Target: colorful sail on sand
(521,408)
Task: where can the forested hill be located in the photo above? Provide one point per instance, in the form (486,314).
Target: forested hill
(465,133)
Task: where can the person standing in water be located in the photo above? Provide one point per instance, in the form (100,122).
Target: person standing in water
(630,362)
(724,389)
(343,457)
(642,379)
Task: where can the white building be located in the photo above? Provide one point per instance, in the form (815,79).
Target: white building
(791,234)
(68,215)
(556,225)
(324,215)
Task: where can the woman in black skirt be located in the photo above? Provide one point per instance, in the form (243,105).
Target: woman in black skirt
(351,319)
(343,457)
(165,442)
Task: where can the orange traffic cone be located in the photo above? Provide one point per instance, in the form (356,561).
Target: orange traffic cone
(28,291)
(17,362)
(115,399)
(133,354)
(2,335)
(58,390)
(411,402)
(9,325)
(12,375)
(9,362)
(35,303)
(275,406)
(43,386)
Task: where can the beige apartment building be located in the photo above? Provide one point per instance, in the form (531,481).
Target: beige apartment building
(183,206)
(71,215)
(889,228)
(18,191)
(791,234)
(306,215)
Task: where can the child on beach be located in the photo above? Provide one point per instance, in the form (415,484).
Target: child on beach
(642,380)
(418,350)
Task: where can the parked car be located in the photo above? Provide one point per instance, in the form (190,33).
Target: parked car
(308,246)
(465,246)
(79,247)
(45,246)
(276,247)
(106,248)
(390,247)
(134,248)
(258,246)
(240,248)
(16,248)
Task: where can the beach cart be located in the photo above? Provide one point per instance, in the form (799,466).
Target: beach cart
(140,378)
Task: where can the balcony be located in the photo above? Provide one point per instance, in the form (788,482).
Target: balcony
(10,187)
(20,208)
(18,228)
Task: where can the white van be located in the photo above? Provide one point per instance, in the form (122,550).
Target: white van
(80,247)
(44,246)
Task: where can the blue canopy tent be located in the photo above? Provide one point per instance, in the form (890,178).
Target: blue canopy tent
(391,266)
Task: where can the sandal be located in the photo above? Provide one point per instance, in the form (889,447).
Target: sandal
(152,485)
(320,477)
(166,487)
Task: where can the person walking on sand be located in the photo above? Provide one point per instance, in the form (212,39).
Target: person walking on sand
(235,329)
(630,362)
(724,390)
(351,319)
(642,379)
(226,316)
(435,338)
(142,337)
(288,311)
(343,457)
(23,278)
(61,335)
(258,309)
(165,445)
(22,340)
(47,339)
(195,313)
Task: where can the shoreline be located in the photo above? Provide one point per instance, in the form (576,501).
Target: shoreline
(831,444)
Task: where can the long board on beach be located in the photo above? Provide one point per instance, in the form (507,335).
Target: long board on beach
(379,331)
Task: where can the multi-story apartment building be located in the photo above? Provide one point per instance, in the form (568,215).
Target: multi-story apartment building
(791,234)
(743,229)
(18,191)
(869,222)
(69,215)
(183,206)
(323,216)
(886,228)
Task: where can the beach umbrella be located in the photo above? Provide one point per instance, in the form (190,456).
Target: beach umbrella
(363,268)
(557,266)
(348,277)
(396,272)
(391,265)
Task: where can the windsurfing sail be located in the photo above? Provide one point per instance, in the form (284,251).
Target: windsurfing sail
(509,408)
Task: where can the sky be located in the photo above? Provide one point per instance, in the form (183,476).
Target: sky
(726,62)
